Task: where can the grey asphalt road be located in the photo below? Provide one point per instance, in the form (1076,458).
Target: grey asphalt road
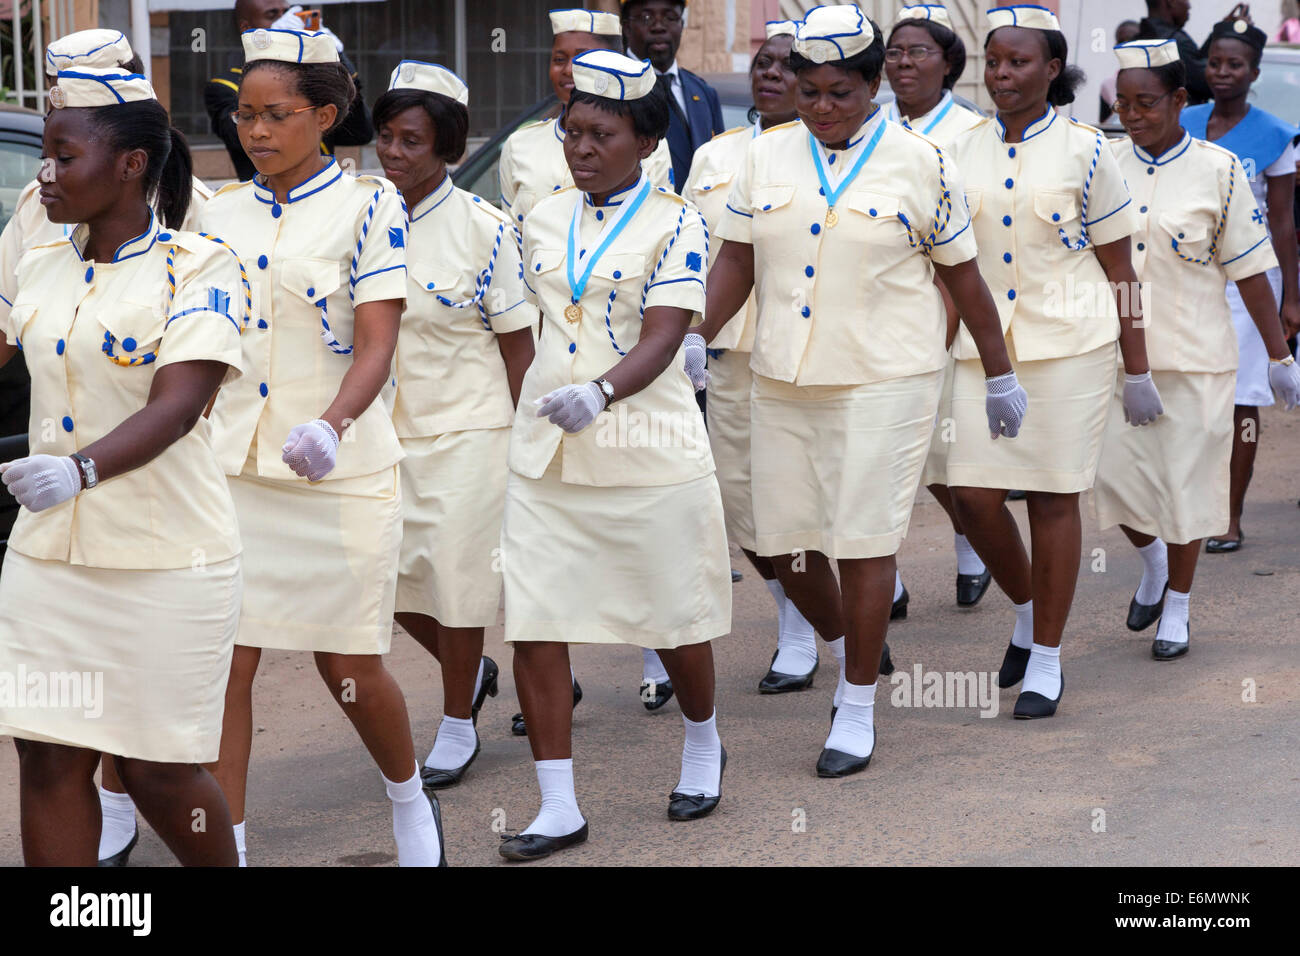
(1145,763)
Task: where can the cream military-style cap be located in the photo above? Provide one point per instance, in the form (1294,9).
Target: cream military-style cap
(289,46)
(613,75)
(431,78)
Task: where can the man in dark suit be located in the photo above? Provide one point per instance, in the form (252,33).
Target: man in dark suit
(653,29)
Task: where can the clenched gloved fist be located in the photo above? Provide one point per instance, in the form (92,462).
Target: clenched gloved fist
(1142,403)
(41,481)
(572,407)
(696,359)
(1285,381)
(310,449)
(1005,405)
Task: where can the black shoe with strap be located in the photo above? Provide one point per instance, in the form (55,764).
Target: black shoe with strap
(519,729)
(487,689)
(693,806)
(522,847)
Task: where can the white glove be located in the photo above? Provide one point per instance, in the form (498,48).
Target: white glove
(696,359)
(1142,403)
(42,481)
(572,407)
(290,20)
(310,449)
(1005,405)
(1285,380)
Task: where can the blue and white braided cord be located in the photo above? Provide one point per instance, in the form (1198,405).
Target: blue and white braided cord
(481,283)
(1218,231)
(942,209)
(1078,245)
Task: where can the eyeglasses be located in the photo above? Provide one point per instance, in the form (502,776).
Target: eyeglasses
(1141,105)
(248,117)
(670,17)
(917,54)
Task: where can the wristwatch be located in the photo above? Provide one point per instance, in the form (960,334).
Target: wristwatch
(608,390)
(87,469)
(1289,360)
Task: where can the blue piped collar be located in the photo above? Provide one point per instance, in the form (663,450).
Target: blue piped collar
(325,177)
(127,250)
(1039,125)
(432,201)
(614,198)
(1168,156)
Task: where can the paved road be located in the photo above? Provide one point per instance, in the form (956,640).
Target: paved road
(1146,763)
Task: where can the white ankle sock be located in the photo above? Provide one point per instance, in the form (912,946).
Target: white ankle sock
(837,649)
(1155,572)
(796,651)
(453,744)
(1023,635)
(478,681)
(118,811)
(701,758)
(968,562)
(413,827)
(778,595)
(1043,672)
(559,815)
(1173,621)
(652,671)
(239,843)
(853,730)
(898,585)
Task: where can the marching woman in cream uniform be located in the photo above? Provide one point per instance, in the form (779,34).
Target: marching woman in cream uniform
(532,164)
(924,59)
(846,388)
(713,170)
(1053,218)
(305,437)
(133,590)
(1167,485)
(613,531)
(465,343)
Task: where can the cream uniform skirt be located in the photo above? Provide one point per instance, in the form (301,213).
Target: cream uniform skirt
(453,497)
(936,462)
(320,567)
(132,663)
(836,468)
(641,565)
(1170,478)
(728,418)
(1060,440)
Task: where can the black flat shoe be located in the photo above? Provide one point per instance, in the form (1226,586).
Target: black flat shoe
(1224,545)
(663,693)
(121,856)
(1016,495)
(735,576)
(488,689)
(1142,616)
(434,779)
(1163,650)
(774,682)
(898,610)
(836,763)
(521,847)
(692,806)
(1013,667)
(437,822)
(519,729)
(971,587)
(886,662)
(1031,705)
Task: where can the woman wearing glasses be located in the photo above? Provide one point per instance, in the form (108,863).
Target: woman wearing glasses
(305,436)
(1199,230)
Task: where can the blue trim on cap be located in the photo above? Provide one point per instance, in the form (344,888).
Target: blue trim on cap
(103,80)
(50,54)
(1020,6)
(299,34)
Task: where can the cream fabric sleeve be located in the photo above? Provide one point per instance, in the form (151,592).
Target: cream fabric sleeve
(1111,215)
(738,218)
(1244,248)
(954,243)
(205,319)
(677,280)
(379,270)
(505,300)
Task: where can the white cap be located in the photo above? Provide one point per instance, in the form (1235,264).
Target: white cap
(98,49)
(431,78)
(777,28)
(92,87)
(289,46)
(833,33)
(1144,54)
(1028,15)
(586,21)
(610,74)
(934,12)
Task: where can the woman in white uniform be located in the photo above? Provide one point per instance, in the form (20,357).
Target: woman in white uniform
(321,517)
(127,598)
(466,341)
(613,532)
(1052,217)
(924,59)
(1166,486)
(713,170)
(846,387)
(1263,143)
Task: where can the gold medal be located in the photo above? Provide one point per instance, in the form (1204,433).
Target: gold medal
(832,218)
(573,313)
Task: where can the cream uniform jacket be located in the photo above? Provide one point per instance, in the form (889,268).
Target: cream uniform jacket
(1198,228)
(853,303)
(943,124)
(450,373)
(337,241)
(655,437)
(532,167)
(1053,300)
(713,170)
(94,334)
(29,226)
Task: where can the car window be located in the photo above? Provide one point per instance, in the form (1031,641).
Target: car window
(18,167)
(1277,90)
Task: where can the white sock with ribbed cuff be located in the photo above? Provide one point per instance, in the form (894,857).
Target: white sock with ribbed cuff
(1155,572)
(414,828)
(1174,620)
(1023,636)
(968,562)
(701,758)
(853,730)
(118,812)
(559,815)
(1043,672)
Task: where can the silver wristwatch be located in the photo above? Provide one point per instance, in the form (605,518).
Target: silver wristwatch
(87,467)
(608,389)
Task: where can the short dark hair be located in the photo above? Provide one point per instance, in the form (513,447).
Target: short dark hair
(450,119)
(320,84)
(631,5)
(169,170)
(1062,90)
(954,50)
(869,62)
(649,114)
